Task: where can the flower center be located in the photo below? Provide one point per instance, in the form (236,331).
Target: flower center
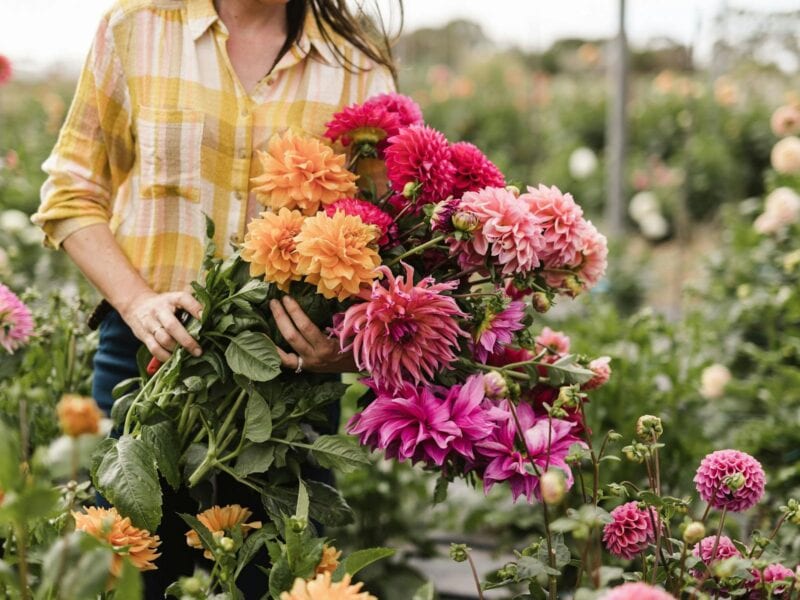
(402,329)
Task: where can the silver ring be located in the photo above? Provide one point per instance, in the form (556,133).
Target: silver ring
(299,368)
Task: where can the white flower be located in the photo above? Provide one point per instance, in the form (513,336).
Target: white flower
(785,155)
(781,208)
(713,381)
(582,162)
(654,226)
(13,220)
(785,120)
(643,204)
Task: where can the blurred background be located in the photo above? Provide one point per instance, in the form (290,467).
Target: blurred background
(659,117)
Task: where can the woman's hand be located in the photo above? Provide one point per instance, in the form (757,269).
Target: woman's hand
(152,319)
(315,351)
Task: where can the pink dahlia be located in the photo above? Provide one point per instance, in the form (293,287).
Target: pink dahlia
(562,220)
(705,551)
(772,574)
(404,108)
(630,532)
(636,591)
(5,69)
(730,479)
(587,266)
(497,329)
(403,331)
(555,342)
(16,321)
(508,232)
(363,124)
(602,372)
(467,412)
(369,214)
(474,170)
(419,156)
(547,442)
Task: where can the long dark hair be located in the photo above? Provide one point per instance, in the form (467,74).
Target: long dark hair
(334,18)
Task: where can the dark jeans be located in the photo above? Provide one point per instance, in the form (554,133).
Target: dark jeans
(114,362)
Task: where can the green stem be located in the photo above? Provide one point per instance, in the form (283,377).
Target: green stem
(232,413)
(679,585)
(416,250)
(475,576)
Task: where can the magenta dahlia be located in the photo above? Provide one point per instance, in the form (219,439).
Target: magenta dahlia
(497,329)
(562,220)
(442,217)
(706,552)
(636,591)
(602,373)
(418,157)
(508,232)
(404,108)
(630,532)
(403,331)
(772,574)
(547,442)
(369,124)
(369,214)
(16,321)
(467,412)
(474,170)
(730,479)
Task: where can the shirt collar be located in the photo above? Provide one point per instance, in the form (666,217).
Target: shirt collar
(201,15)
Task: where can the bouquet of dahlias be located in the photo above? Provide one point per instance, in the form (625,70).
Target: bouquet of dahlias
(415,254)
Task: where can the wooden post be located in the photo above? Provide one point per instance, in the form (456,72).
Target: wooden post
(616,131)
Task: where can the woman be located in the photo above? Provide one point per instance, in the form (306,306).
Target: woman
(175,97)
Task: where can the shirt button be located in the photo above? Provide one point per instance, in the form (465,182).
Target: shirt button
(270,80)
(242,153)
(239,196)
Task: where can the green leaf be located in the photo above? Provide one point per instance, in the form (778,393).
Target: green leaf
(566,371)
(301,512)
(424,592)
(339,452)
(363,558)
(257,419)
(257,458)
(281,578)
(194,383)
(129,585)
(9,458)
(128,479)
(253,355)
(529,567)
(252,544)
(440,491)
(254,291)
(206,537)
(328,506)
(89,577)
(163,440)
(562,553)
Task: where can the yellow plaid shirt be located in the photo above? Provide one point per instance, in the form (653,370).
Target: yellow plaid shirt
(161,131)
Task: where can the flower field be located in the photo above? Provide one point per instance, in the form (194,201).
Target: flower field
(516,395)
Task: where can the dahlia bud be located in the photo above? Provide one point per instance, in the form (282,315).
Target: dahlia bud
(694,532)
(735,482)
(442,215)
(411,190)
(495,385)
(513,189)
(298,525)
(791,510)
(553,486)
(459,552)
(724,568)
(569,396)
(573,285)
(507,572)
(78,415)
(191,586)
(465,221)
(541,303)
(648,428)
(227,544)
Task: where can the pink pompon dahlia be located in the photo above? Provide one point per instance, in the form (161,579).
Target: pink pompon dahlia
(772,574)
(369,214)
(403,331)
(418,165)
(407,111)
(497,329)
(636,591)
(474,170)
(562,220)
(6,71)
(16,321)
(555,342)
(602,373)
(587,266)
(508,232)
(369,124)
(711,551)
(547,442)
(730,479)
(630,532)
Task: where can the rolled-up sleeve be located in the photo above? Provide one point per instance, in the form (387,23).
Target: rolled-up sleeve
(94,153)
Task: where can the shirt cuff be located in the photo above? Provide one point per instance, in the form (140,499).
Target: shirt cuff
(57,231)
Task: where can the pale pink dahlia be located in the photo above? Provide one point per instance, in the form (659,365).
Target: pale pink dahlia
(630,532)
(420,156)
(407,111)
(362,123)
(508,232)
(555,342)
(730,479)
(588,265)
(547,442)
(636,591)
(369,214)
(403,332)
(474,170)
(705,551)
(497,329)
(772,573)
(602,372)
(562,220)
(16,321)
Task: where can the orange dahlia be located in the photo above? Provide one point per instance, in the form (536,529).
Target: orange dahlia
(301,173)
(218,520)
(329,561)
(269,246)
(338,253)
(107,525)
(78,415)
(322,588)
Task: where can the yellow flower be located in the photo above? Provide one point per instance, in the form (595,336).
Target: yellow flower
(301,173)
(218,520)
(269,247)
(337,254)
(322,588)
(107,525)
(78,415)
(329,561)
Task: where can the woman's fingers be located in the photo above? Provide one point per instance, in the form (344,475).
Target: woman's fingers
(287,328)
(177,332)
(189,303)
(305,325)
(288,359)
